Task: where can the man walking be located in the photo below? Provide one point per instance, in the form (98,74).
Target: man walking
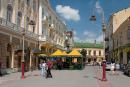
(50,65)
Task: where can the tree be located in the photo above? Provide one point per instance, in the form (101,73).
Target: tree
(84,52)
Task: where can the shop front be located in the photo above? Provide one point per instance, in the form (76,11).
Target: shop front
(70,61)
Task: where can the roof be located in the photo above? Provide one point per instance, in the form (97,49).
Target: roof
(57,53)
(74,53)
(88,45)
(64,53)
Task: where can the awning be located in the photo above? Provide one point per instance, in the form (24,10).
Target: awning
(57,53)
(74,53)
(64,53)
(127,49)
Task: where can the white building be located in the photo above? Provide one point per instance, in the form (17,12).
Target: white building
(18,18)
(51,29)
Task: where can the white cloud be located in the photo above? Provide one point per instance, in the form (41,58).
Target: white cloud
(89,34)
(76,38)
(88,37)
(99,38)
(92,36)
(68,13)
(99,9)
(75,33)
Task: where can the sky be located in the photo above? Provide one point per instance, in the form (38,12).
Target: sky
(76,14)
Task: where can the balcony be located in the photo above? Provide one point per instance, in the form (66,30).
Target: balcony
(16,29)
(45,38)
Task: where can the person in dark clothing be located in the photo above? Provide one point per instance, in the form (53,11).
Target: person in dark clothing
(59,64)
(0,68)
(49,65)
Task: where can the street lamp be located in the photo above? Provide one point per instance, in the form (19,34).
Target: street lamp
(93,18)
(23,60)
(23,55)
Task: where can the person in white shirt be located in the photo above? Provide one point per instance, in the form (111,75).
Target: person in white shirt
(43,67)
(113,68)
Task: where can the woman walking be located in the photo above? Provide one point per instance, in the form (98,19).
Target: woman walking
(43,67)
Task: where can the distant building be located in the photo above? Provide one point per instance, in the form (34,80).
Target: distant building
(94,51)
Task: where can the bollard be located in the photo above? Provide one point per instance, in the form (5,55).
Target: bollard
(104,72)
(22,77)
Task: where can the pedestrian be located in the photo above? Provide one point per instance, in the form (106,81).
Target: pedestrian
(50,65)
(100,63)
(43,67)
(59,64)
(113,68)
(0,68)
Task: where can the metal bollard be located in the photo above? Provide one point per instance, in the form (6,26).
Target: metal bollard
(104,72)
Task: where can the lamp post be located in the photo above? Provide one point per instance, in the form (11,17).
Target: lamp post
(23,60)
(93,18)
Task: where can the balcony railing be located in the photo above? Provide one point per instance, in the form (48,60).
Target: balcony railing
(17,29)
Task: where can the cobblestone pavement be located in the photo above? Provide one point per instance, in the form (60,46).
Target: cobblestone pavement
(89,77)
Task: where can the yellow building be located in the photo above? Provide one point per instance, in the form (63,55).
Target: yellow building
(94,51)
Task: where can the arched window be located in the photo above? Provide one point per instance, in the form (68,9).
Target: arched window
(34,5)
(99,53)
(0,6)
(94,52)
(19,17)
(28,2)
(9,12)
(89,52)
(27,23)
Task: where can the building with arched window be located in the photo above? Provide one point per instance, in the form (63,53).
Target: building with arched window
(28,25)
(51,29)
(17,18)
(93,50)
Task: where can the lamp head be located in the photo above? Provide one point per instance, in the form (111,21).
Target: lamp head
(93,18)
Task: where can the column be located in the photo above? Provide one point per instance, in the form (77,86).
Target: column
(124,57)
(37,62)
(30,55)
(12,59)
(12,53)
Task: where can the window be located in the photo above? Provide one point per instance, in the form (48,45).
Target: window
(89,52)
(99,53)
(43,30)
(43,12)
(128,34)
(9,13)
(34,5)
(0,6)
(19,18)
(28,2)
(33,28)
(27,22)
(94,53)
